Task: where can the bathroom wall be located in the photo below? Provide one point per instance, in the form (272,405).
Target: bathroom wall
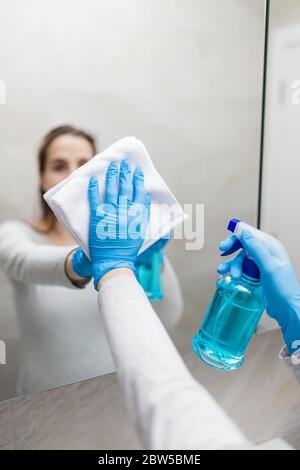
(280,191)
(183,76)
(281,149)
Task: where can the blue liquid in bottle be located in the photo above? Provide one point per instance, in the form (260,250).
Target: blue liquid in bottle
(149,275)
(231,319)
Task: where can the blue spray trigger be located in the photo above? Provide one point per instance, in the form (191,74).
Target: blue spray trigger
(236,246)
(232,224)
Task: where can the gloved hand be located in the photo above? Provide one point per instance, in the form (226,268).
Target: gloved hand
(279,282)
(81,265)
(117,225)
(145,258)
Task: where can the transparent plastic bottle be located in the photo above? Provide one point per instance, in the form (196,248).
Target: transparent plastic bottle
(231,319)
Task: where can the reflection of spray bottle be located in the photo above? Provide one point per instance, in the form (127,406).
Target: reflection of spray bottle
(149,266)
(233,313)
(148,275)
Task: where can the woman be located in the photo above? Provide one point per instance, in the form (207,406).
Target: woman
(62,334)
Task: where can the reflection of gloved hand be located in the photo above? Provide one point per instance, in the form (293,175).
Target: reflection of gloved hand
(278,280)
(81,265)
(118,225)
(145,258)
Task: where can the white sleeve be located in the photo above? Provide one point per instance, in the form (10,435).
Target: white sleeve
(292,361)
(170,409)
(170,308)
(26,261)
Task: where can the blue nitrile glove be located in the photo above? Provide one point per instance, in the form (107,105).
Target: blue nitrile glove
(278,279)
(145,258)
(117,225)
(81,265)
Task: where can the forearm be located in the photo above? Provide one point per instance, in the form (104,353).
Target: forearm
(292,362)
(38,264)
(290,323)
(28,261)
(170,409)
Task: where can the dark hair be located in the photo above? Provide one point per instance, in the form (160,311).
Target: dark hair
(48,217)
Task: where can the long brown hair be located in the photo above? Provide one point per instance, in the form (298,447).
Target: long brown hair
(48,219)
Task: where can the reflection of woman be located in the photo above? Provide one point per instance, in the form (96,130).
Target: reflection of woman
(62,333)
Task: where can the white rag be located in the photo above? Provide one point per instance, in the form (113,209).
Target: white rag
(69,198)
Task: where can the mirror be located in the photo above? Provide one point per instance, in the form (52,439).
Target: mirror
(280,187)
(186,79)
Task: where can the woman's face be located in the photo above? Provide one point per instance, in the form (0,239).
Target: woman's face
(65,154)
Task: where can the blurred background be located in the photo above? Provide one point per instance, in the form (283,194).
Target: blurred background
(184,77)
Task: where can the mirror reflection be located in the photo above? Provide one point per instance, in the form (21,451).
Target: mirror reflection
(185,78)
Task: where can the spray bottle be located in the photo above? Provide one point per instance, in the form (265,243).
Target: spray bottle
(233,313)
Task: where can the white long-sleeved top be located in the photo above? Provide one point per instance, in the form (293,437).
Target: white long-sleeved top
(292,361)
(169,408)
(62,335)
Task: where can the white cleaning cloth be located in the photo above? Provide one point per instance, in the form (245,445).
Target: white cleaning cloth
(69,198)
